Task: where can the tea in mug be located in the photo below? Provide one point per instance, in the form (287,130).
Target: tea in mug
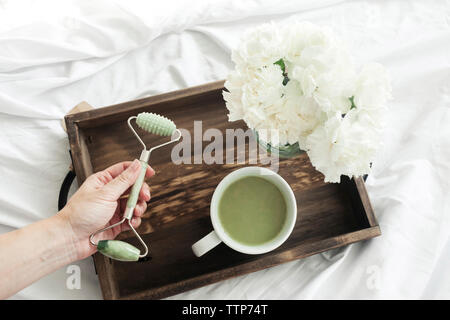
(252,210)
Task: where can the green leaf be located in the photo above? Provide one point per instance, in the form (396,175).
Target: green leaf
(283,69)
(282,65)
(352,101)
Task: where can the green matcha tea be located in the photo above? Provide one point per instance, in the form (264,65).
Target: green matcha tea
(252,210)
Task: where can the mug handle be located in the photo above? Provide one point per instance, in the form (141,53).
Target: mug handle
(208,242)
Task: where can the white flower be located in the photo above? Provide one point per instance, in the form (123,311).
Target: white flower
(264,88)
(259,47)
(233,96)
(297,83)
(342,146)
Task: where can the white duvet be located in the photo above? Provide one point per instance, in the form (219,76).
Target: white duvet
(55,54)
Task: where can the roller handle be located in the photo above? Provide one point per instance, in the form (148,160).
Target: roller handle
(134,193)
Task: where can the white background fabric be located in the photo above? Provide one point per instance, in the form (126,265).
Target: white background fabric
(55,54)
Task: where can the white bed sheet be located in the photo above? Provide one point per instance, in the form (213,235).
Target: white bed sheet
(55,54)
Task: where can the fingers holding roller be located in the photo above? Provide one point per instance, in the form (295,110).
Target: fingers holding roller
(118,168)
(122,182)
(140,209)
(135,222)
(144,197)
(144,194)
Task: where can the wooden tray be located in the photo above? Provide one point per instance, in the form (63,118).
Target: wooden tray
(329,215)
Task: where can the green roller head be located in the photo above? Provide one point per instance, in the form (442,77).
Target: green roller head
(156,124)
(118,250)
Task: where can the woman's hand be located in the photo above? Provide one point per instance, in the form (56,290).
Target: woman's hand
(29,253)
(98,203)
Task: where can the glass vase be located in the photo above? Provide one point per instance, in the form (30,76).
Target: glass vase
(284,151)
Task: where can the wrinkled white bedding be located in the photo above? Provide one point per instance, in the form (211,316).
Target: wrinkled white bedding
(55,54)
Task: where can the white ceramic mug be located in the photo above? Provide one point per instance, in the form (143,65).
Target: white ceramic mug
(219,235)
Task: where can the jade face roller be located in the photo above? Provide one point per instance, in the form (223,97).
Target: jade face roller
(120,250)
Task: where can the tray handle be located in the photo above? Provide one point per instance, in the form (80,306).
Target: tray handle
(65,187)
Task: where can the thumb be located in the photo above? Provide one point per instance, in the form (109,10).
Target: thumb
(116,187)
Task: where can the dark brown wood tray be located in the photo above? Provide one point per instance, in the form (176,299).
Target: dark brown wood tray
(329,215)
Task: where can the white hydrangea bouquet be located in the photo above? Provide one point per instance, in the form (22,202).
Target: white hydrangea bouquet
(298,81)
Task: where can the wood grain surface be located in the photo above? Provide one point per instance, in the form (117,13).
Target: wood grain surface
(329,215)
